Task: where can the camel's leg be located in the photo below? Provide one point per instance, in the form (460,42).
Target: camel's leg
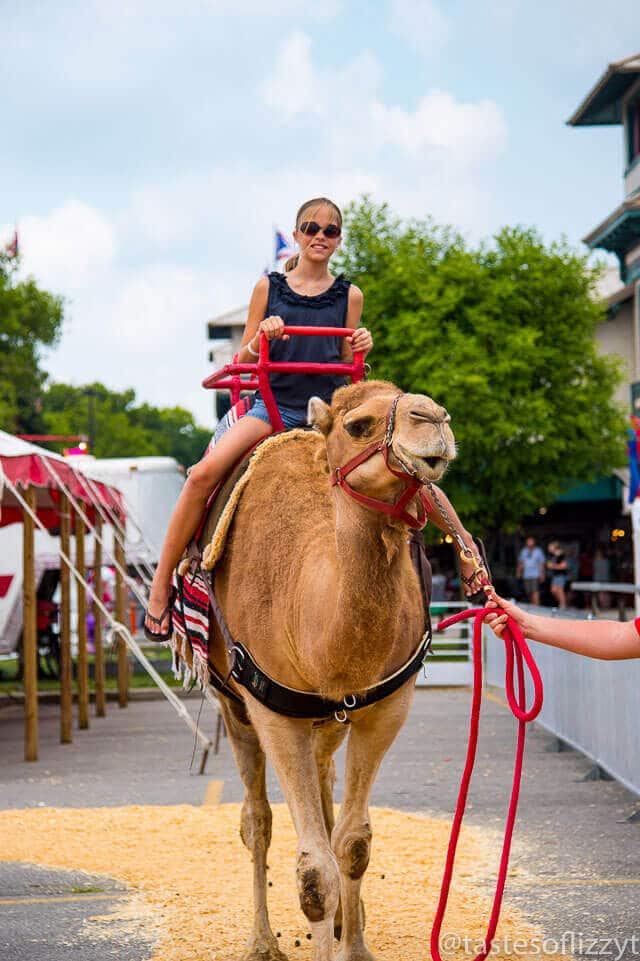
(327,739)
(288,743)
(372,733)
(255,826)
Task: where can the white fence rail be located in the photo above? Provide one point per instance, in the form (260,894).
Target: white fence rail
(450,664)
(592,705)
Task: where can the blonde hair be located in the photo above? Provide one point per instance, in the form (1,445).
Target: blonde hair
(314,202)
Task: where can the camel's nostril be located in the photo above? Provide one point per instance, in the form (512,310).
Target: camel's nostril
(434,462)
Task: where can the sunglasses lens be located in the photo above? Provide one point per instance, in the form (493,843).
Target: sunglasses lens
(310,228)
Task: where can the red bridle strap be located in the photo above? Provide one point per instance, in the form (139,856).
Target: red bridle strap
(413,485)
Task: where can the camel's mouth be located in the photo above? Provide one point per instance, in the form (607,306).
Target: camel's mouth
(425,466)
(431,467)
(435,462)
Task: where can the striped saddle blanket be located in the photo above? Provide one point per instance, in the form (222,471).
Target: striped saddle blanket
(191,615)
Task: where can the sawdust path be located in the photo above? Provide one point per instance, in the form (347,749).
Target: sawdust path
(190,877)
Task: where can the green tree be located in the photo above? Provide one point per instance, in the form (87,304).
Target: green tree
(30,319)
(503,336)
(121,428)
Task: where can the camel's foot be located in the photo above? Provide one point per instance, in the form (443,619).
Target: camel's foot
(359,952)
(337,922)
(264,948)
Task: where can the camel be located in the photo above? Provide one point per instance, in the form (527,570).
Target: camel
(323,593)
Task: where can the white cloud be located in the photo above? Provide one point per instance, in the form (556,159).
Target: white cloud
(143,328)
(471,131)
(292,88)
(420,23)
(67,247)
(349,113)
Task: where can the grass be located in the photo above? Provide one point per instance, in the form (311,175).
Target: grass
(10,684)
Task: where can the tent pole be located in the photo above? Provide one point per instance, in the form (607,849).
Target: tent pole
(101,708)
(83,665)
(66,673)
(121,614)
(122,631)
(30,631)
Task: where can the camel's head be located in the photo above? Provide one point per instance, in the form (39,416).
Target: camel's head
(422,442)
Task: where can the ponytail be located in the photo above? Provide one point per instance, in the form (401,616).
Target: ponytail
(291,263)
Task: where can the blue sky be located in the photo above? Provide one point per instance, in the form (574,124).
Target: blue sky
(148,147)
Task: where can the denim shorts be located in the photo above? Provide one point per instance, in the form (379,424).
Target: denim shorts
(290,418)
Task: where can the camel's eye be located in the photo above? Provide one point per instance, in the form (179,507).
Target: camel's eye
(361,427)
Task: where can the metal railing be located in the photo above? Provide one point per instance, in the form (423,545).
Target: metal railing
(592,705)
(450,663)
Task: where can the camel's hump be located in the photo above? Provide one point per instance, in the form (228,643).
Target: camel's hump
(287,471)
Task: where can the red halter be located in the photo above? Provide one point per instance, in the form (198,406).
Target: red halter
(413,485)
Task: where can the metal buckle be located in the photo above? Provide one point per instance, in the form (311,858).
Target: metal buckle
(346,702)
(237,666)
(342,719)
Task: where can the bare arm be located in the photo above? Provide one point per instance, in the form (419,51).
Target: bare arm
(605,640)
(257,321)
(361,340)
(439,520)
(472,568)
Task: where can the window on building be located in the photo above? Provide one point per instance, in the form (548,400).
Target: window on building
(633,130)
(215,332)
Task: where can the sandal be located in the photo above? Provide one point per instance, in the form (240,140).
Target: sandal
(479,596)
(161,637)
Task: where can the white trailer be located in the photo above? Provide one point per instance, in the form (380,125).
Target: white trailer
(150,487)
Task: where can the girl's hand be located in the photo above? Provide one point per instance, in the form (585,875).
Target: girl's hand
(498,621)
(273,328)
(361,340)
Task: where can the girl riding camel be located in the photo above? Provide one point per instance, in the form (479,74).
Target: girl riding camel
(306,295)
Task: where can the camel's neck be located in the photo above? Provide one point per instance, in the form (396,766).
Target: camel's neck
(372,614)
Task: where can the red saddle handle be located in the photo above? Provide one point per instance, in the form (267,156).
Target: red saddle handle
(230,377)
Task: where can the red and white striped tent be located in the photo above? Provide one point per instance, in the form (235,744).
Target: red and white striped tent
(25,465)
(37,485)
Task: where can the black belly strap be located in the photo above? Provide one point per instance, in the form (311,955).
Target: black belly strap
(305,704)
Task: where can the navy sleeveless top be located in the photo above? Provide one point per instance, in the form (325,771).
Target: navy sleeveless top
(328,309)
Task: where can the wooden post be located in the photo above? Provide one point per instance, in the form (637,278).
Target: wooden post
(101,703)
(29,631)
(83,665)
(66,672)
(121,615)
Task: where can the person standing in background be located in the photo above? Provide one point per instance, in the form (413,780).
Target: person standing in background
(531,568)
(557,568)
(602,573)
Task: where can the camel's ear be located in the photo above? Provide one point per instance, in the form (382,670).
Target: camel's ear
(319,415)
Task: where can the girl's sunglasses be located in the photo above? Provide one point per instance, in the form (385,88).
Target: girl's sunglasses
(310,228)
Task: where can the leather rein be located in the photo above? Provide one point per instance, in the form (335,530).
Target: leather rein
(413,486)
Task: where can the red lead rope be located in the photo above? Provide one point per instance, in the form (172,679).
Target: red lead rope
(516,649)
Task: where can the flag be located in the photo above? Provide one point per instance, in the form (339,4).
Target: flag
(12,247)
(284,247)
(633,438)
